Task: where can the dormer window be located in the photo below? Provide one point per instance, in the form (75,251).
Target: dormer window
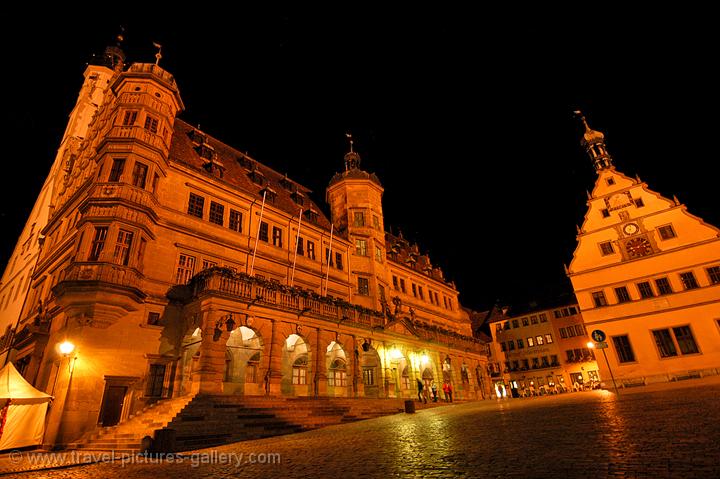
(270,194)
(197,137)
(311,215)
(257,177)
(287,184)
(205,151)
(246,162)
(298,198)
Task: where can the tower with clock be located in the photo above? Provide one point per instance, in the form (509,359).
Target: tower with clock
(647,272)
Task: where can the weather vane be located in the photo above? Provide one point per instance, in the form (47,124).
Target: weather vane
(158,55)
(349,137)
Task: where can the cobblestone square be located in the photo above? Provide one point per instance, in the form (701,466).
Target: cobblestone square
(673,432)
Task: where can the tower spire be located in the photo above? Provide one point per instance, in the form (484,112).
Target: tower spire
(352,159)
(158,55)
(594,143)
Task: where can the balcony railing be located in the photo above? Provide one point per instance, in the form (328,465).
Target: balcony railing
(105,273)
(254,290)
(137,133)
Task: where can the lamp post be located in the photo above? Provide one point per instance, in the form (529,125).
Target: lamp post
(591,345)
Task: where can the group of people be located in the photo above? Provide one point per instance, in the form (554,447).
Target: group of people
(423,391)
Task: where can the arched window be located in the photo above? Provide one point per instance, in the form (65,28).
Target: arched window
(464,374)
(337,375)
(299,370)
(405,378)
(252,368)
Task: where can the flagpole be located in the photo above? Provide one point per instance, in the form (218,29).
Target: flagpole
(297,241)
(327,274)
(257,236)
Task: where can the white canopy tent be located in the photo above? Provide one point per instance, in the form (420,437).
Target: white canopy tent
(22,410)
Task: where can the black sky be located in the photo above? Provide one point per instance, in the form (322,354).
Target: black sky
(465,116)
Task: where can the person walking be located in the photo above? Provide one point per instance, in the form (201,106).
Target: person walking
(445,391)
(420,388)
(449,391)
(433,387)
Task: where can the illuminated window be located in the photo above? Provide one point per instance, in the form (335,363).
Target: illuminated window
(623,349)
(606,248)
(361,247)
(310,249)
(405,381)
(337,375)
(299,370)
(196,205)
(363,287)
(277,237)
(251,368)
(714,274)
(622,294)
(98,243)
(369,376)
(666,232)
(599,298)
(378,254)
(122,247)
(358,218)
(688,280)
(530,342)
(663,286)
(185,269)
(235,221)
(539,340)
(548,338)
(376,223)
(645,290)
(217,211)
(139,175)
(117,170)
(264,232)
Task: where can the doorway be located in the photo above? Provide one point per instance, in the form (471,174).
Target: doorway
(112,405)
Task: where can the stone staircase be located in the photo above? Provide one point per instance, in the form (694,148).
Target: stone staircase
(211,420)
(127,436)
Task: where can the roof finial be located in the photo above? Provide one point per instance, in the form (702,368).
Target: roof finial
(352,159)
(579,114)
(594,143)
(158,55)
(349,137)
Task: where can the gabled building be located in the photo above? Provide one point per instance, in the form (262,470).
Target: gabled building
(646,272)
(177,265)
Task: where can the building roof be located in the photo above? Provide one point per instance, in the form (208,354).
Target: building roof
(521,309)
(211,157)
(402,252)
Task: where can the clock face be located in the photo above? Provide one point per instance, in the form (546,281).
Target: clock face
(638,247)
(630,229)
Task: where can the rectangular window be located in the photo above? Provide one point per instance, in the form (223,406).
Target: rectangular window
(557,314)
(521,344)
(263,232)
(639,203)
(511,345)
(531,342)
(299,375)
(605,212)
(328,257)
(361,247)
(623,349)
(235,220)
(414,289)
(533,320)
(570,332)
(129,118)
(196,204)
(685,340)
(207,264)
(277,237)
(363,287)
(395,283)
(515,323)
(645,290)
(599,299)
(402,286)
(151,124)
(358,218)
(156,178)
(141,251)
(437,299)
(217,211)
(376,223)
(666,232)
(156,378)
(117,170)
(579,330)
(139,175)
(622,294)
(381,292)
(525,322)
(503,346)
(338,261)
(663,286)
(122,247)
(543,318)
(572,310)
(539,340)
(378,254)
(714,274)
(548,338)
(98,243)
(310,249)
(300,246)
(420,293)
(369,376)
(185,269)
(563,333)
(153,319)
(664,343)
(688,280)
(606,248)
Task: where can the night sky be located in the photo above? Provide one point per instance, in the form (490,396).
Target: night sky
(466,118)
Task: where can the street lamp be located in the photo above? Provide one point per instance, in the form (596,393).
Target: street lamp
(591,345)
(66,349)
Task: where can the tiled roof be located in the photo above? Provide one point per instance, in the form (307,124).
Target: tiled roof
(401,251)
(188,144)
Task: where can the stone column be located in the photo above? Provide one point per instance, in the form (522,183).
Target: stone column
(273,374)
(208,377)
(319,373)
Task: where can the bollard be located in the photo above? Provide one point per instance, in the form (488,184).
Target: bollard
(410,406)
(164,440)
(146,445)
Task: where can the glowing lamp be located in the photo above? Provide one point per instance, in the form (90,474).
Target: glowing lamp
(66,348)
(424,359)
(590,344)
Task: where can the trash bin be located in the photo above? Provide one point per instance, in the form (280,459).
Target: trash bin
(409,406)
(164,440)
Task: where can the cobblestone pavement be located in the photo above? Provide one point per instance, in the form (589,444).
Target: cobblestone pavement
(669,433)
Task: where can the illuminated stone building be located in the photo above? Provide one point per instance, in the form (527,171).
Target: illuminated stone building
(541,350)
(647,273)
(179,265)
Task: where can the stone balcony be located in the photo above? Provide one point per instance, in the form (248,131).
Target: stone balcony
(138,133)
